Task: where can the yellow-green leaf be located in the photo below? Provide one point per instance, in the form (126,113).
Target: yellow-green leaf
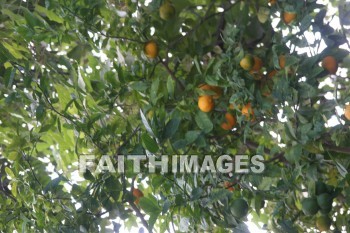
(49,14)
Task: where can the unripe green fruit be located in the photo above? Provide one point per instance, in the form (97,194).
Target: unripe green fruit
(239,208)
(309,206)
(325,201)
(166,11)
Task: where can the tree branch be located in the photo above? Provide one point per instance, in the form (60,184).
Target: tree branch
(165,64)
(339,149)
(140,215)
(254,146)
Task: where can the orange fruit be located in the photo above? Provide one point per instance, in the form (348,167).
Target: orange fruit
(166,11)
(151,49)
(229,186)
(272,2)
(282,61)
(232,107)
(347,111)
(256,74)
(229,123)
(271,74)
(137,193)
(247,62)
(257,64)
(330,64)
(288,17)
(206,103)
(216,89)
(247,110)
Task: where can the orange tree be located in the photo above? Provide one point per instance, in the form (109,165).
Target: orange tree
(124,78)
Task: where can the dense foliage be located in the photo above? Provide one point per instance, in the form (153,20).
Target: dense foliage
(79,78)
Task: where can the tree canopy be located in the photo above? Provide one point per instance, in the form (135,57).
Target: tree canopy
(181,77)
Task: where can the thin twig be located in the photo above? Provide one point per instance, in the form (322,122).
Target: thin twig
(166,66)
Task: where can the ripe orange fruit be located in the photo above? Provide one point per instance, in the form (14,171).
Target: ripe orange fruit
(257,64)
(232,107)
(166,11)
(272,2)
(137,193)
(347,111)
(229,186)
(247,110)
(247,62)
(206,103)
(288,17)
(151,49)
(282,61)
(230,122)
(216,89)
(330,64)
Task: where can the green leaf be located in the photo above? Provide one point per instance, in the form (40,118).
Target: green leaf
(50,14)
(294,153)
(12,50)
(14,188)
(191,136)
(154,91)
(203,121)
(40,112)
(146,124)
(196,193)
(149,143)
(63,95)
(179,144)
(10,173)
(170,86)
(171,127)
(149,205)
(290,130)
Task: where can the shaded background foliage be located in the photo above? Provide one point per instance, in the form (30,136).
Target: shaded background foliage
(75,81)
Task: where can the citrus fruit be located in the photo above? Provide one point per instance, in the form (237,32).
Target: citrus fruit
(256,74)
(247,110)
(230,122)
(229,185)
(288,17)
(282,61)
(309,206)
(205,103)
(137,193)
(239,208)
(247,62)
(257,64)
(320,187)
(323,223)
(151,49)
(330,64)
(215,89)
(325,202)
(166,11)
(271,74)
(347,111)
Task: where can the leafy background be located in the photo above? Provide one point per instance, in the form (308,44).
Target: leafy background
(75,82)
